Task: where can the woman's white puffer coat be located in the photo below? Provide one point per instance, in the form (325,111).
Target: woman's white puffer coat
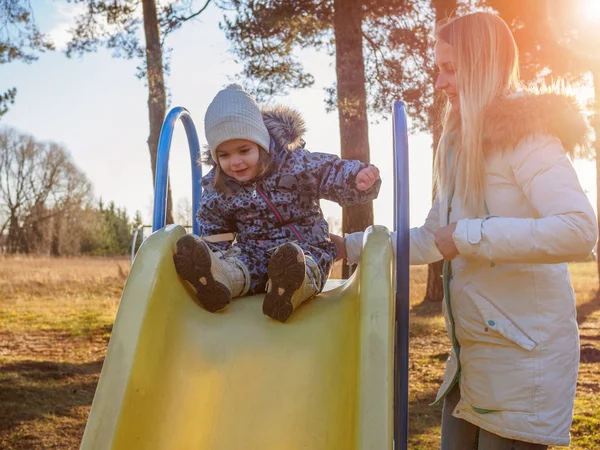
(511,306)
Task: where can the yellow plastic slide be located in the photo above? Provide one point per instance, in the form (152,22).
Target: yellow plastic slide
(177,377)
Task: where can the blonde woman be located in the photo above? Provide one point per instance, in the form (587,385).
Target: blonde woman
(508,217)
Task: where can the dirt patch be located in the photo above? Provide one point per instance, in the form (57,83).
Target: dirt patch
(47,384)
(47,370)
(590,354)
(53,345)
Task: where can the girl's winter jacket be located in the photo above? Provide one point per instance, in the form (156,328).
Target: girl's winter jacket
(283,205)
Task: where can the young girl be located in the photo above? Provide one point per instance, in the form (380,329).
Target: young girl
(509,214)
(265,187)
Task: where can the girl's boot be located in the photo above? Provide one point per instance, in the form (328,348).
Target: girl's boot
(216,279)
(293,279)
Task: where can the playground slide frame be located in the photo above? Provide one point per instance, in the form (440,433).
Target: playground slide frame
(401,225)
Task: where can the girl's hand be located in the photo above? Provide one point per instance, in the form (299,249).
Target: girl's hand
(366,178)
(445,242)
(340,243)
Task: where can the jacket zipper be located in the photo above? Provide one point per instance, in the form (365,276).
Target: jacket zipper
(279,217)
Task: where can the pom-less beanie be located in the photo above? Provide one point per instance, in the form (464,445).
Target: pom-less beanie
(234,114)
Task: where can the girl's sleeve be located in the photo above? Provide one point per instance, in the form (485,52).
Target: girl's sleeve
(422,243)
(336,179)
(213,220)
(565,229)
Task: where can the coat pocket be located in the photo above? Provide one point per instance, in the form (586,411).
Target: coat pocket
(498,358)
(489,319)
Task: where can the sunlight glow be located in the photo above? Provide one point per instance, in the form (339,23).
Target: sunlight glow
(590,9)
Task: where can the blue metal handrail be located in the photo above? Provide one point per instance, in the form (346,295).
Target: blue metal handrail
(162,166)
(402,227)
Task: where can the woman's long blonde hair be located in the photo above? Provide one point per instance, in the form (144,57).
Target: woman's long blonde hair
(487,67)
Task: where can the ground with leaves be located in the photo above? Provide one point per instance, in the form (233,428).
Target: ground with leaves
(55,321)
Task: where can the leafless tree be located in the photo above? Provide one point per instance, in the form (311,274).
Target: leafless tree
(40,187)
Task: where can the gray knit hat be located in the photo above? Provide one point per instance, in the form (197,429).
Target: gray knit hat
(234,114)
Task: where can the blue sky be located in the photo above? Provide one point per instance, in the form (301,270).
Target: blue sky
(97,108)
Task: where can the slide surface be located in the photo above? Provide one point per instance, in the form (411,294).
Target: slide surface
(178,377)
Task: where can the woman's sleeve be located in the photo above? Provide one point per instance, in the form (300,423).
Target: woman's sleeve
(566,228)
(422,239)
(422,243)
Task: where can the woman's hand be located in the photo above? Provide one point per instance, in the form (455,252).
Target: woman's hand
(340,243)
(366,178)
(445,242)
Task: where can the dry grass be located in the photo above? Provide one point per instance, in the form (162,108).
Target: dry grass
(55,320)
(56,316)
(586,421)
(72,295)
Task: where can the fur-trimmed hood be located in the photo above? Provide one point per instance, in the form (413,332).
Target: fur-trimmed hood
(507,120)
(286,128)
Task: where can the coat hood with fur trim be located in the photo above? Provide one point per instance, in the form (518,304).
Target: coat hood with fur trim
(286,128)
(508,120)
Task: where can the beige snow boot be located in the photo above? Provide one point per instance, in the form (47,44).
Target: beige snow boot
(216,279)
(293,279)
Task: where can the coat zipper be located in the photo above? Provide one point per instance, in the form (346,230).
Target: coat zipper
(279,217)
(446,276)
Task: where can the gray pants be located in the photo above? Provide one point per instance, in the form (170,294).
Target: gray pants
(458,434)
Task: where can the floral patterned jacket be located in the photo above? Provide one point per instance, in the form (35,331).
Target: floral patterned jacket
(283,205)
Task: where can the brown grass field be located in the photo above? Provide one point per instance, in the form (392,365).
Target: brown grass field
(56,317)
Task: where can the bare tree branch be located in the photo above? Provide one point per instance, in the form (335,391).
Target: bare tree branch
(173,23)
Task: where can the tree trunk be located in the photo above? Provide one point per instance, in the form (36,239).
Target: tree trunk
(14,233)
(157,98)
(435,287)
(56,233)
(351,102)
(596,125)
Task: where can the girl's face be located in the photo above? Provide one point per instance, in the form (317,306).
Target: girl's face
(238,158)
(446,80)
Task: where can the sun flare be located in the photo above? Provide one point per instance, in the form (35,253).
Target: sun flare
(591,9)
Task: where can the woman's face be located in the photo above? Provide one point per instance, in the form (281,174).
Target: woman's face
(446,80)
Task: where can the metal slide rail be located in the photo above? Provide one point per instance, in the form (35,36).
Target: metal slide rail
(138,233)
(162,166)
(138,230)
(402,227)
